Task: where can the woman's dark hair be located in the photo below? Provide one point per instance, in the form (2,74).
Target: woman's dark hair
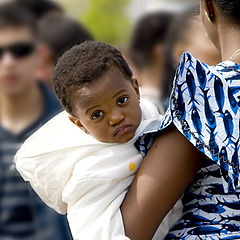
(230,8)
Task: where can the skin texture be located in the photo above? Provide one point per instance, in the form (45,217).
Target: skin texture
(222,30)
(172,161)
(108,109)
(156,187)
(198,44)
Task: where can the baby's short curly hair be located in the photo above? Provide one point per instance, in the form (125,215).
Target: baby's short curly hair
(82,65)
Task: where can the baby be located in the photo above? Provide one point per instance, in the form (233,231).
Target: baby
(84,169)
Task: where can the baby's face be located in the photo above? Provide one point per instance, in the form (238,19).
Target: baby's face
(109,108)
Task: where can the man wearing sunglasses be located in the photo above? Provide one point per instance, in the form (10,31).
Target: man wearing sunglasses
(25,104)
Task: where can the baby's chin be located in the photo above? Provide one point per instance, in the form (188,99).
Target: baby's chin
(125,138)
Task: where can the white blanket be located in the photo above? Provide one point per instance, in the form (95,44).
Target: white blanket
(74,173)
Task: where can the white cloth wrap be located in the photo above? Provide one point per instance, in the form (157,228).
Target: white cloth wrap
(75,174)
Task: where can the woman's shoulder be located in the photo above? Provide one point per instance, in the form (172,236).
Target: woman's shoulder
(205,108)
(226,71)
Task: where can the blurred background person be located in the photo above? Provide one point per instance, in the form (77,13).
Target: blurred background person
(148,44)
(176,6)
(186,34)
(57,34)
(147,53)
(40,7)
(25,105)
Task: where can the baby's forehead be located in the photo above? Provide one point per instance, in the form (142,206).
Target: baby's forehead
(107,87)
(109,81)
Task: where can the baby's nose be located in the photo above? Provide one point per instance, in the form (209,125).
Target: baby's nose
(116,118)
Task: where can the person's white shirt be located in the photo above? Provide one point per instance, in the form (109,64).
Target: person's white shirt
(86,179)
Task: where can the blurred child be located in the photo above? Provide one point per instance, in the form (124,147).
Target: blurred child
(25,105)
(147,53)
(84,169)
(57,34)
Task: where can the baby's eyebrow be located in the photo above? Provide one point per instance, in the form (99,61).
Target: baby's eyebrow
(92,108)
(123,90)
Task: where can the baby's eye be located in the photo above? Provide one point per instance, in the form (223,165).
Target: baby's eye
(122,100)
(97,115)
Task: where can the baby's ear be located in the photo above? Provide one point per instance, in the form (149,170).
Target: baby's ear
(136,86)
(78,123)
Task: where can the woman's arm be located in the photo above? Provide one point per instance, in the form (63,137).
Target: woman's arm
(165,173)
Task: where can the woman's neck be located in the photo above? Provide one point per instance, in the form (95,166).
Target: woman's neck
(229,37)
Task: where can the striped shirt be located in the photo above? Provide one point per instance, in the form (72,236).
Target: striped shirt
(22,214)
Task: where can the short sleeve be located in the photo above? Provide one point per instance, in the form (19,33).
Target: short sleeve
(204,106)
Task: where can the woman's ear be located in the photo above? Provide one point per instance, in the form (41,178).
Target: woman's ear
(78,123)
(136,86)
(209,10)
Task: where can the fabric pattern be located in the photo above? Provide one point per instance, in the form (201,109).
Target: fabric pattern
(204,106)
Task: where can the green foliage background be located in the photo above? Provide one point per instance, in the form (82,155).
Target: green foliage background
(107,20)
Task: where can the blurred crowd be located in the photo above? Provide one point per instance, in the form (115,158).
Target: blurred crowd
(33,35)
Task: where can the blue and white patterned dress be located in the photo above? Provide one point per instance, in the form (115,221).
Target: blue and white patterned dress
(205,108)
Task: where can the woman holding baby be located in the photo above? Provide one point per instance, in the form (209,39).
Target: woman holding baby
(196,150)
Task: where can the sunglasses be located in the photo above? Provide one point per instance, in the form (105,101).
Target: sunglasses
(18,50)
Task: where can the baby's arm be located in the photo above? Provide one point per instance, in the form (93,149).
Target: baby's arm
(165,173)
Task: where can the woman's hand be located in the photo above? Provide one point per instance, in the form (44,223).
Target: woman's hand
(165,173)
